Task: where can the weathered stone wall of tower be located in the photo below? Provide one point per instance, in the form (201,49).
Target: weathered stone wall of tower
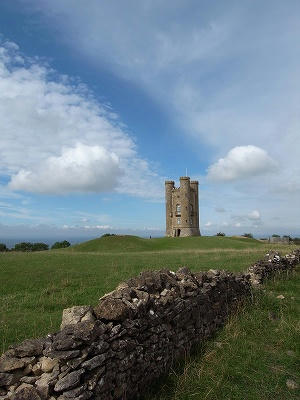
(185,199)
(169,186)
(195,207)
(186,221)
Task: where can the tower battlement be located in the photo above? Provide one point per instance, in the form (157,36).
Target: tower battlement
(182,208)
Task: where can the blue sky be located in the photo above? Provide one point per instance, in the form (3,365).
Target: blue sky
(100,102)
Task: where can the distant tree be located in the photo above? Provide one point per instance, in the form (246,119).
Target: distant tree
(61,245)
(3,247)
(275,235)
(108,234)
(220,234)
(287,237)
(39,247)
(296,240)
(23,246)
(27,246)
(248,235)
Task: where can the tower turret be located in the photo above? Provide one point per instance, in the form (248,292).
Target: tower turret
(185,194)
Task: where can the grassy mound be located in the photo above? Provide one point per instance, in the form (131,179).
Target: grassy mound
(127,243)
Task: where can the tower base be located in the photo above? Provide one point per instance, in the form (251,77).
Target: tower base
(183,232)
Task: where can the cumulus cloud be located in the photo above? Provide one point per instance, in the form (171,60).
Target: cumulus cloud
(221,81)
(241,162)
(254,215)
(79,169)
(190,47)
(57,138)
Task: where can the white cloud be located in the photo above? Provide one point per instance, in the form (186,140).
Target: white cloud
(57,138)
(254,215)
(207,62)
(208,224)
(79,169)
(220,81)
(17,212)
(98,227)
(85,216)
(241,162)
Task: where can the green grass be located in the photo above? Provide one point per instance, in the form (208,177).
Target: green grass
(247,359)
(36,287)
(137,244)
(250,358)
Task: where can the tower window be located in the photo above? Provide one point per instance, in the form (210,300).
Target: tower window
(178,209)
(178,221)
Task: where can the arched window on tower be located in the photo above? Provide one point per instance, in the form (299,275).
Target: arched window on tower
(178,209)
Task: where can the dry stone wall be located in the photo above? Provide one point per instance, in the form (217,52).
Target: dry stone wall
(116,349)
(271,264)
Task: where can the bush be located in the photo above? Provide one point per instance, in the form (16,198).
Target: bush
(275,235)
(23,246)
(3,247)
(220,234)
(27,246)
(61,245)
(248,235)
(39,247)
(108,234)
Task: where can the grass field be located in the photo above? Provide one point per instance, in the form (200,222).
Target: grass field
(36,287)
(251,358)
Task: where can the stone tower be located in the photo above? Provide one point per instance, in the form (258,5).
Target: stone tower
(182,208)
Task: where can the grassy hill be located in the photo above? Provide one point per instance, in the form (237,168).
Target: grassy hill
(127,243)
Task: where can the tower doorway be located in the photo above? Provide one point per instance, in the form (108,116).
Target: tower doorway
(176,233)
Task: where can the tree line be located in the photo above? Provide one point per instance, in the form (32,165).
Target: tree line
(39,246)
